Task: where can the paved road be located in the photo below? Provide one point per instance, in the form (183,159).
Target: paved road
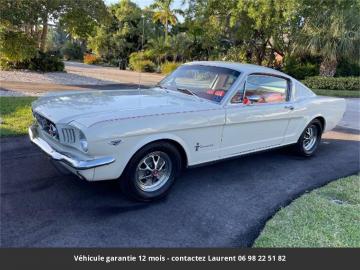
(352,114)
(222,205)
(112,74)
(78,76)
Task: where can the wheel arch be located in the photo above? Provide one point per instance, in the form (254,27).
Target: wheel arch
(174,140)
(321,120)
(178,146)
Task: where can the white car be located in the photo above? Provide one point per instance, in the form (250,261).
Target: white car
(202,112)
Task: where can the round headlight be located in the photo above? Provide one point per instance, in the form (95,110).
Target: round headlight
(83,142)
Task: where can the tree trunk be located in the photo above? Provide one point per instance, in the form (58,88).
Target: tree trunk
(259,57)
(166,29)
(44,34)
(328,67)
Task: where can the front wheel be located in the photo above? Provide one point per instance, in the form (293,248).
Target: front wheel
(151,172)
(309,139)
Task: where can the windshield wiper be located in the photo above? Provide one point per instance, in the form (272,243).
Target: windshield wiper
(162,87)
(185,90)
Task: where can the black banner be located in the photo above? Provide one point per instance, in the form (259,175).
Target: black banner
(120,258)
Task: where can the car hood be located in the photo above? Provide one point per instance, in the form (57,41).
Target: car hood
(90,107)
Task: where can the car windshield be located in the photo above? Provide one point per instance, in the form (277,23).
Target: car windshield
(207,82)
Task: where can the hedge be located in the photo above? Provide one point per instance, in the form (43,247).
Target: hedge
(337,93)
(142,65)
(332,83)
(169,67)
(298,69)
(44,62)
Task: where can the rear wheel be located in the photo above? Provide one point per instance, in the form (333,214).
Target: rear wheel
(309,139)
(151,172)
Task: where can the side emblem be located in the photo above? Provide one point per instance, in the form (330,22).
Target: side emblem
(115,142)
(199,146)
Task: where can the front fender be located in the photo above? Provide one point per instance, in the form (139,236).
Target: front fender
(161,136)
(126,150)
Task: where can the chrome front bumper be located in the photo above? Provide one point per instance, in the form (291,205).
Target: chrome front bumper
(67,158)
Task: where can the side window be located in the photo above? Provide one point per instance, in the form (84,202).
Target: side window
(238,97)
(265,89)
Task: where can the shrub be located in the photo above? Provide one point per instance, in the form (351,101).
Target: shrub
(169,67)
(4,64)
(346,68)
(8,65)
(72,51)
(136,57)
(337,93)
(143,66)
(138,62)
(16,46)
(91,59)
(46,62)
(333,83)
(300,70)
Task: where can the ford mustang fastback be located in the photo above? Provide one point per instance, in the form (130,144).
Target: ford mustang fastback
(200,113)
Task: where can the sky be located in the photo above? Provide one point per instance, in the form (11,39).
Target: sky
(145,3)
(177,4)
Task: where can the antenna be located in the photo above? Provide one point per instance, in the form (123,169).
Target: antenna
(142,48)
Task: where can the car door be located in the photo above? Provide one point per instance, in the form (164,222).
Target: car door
(257,116)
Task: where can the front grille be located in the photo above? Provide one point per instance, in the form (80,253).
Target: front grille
(46,125)
(68,135)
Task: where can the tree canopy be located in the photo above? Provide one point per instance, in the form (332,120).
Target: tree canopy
(314,35)
(33,17)
(332,32)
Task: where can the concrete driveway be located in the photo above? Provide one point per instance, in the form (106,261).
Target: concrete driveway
(78,76)
(222,205)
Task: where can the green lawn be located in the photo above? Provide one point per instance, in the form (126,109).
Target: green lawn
(15,113)
(338,93)
(326,217)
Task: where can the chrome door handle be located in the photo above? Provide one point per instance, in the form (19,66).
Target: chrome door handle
(290,107)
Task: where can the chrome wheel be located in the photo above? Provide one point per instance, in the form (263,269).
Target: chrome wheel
(153,171)
(310,137)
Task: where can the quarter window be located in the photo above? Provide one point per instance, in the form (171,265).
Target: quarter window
(265,89)
(262,89)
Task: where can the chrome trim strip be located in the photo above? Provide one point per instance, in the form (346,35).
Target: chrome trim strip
(66,157)
(155,114)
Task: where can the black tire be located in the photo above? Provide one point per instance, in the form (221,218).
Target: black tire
(301,148)
(131,186)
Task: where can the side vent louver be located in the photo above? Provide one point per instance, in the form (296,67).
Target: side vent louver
(68,135)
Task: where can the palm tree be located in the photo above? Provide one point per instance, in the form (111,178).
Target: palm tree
(158,48)
(179,46)
(164,14)
(332,34)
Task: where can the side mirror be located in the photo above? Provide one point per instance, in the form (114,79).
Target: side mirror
(246,101)
(254,98)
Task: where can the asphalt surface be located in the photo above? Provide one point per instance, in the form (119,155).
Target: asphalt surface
(352,114)
(222,205)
